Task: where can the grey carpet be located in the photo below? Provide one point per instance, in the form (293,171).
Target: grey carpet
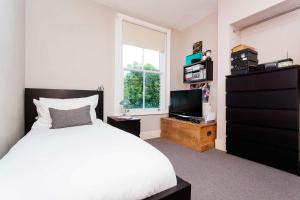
(215,175)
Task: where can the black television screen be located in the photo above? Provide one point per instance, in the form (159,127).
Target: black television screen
(186,102)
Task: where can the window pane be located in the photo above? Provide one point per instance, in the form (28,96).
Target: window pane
(133,89)
(151,60)
(132,57)
(152,90)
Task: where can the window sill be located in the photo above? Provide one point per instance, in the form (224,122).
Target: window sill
(145,113)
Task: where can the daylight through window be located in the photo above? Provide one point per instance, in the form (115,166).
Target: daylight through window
(143,68)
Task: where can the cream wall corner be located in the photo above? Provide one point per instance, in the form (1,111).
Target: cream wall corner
(12,65)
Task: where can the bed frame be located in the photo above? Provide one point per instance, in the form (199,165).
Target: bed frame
(30,94)
(180,192)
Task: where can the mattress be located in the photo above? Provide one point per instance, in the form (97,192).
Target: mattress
(91,162)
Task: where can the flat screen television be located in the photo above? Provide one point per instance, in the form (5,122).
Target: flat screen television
(186,103)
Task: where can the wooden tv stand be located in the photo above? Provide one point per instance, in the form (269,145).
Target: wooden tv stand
(199,137)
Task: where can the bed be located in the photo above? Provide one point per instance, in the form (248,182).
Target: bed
(86,162)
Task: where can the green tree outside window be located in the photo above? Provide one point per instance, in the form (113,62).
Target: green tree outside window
(134,87)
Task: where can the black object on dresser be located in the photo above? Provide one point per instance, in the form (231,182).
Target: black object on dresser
(263,117)
(130,125)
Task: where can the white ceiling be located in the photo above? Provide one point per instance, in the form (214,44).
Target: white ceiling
(177,14)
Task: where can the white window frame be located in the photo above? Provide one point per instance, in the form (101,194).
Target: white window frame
(119,79)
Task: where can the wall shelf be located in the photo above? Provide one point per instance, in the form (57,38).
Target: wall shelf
(198,72)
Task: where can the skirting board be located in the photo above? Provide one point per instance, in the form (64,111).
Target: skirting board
(146,135)
(220,144)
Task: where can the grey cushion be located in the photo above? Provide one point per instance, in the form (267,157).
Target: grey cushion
(70,118)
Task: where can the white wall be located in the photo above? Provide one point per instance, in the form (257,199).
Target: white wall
(231,11)
(12,54)
(205,30)
(177,60)
(272,39)
(70,45)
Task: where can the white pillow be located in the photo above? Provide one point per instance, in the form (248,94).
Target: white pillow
(42,111)
(65,104)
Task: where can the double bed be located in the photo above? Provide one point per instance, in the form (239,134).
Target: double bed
(85,162)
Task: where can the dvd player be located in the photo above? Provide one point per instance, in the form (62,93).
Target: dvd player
(193,119)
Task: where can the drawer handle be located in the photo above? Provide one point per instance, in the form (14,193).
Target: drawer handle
(209,133)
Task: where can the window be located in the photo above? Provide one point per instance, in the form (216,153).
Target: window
(142,75)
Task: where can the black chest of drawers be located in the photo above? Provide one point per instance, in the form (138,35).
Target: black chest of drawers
(262,114)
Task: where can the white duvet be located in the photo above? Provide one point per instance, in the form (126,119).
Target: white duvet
(95,162)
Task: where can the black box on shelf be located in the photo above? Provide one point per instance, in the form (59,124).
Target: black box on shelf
(245,70)
(246,63)
(243,55)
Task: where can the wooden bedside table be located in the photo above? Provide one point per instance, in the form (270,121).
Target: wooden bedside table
(131,125)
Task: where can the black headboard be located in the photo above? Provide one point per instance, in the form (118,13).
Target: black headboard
(32,93)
